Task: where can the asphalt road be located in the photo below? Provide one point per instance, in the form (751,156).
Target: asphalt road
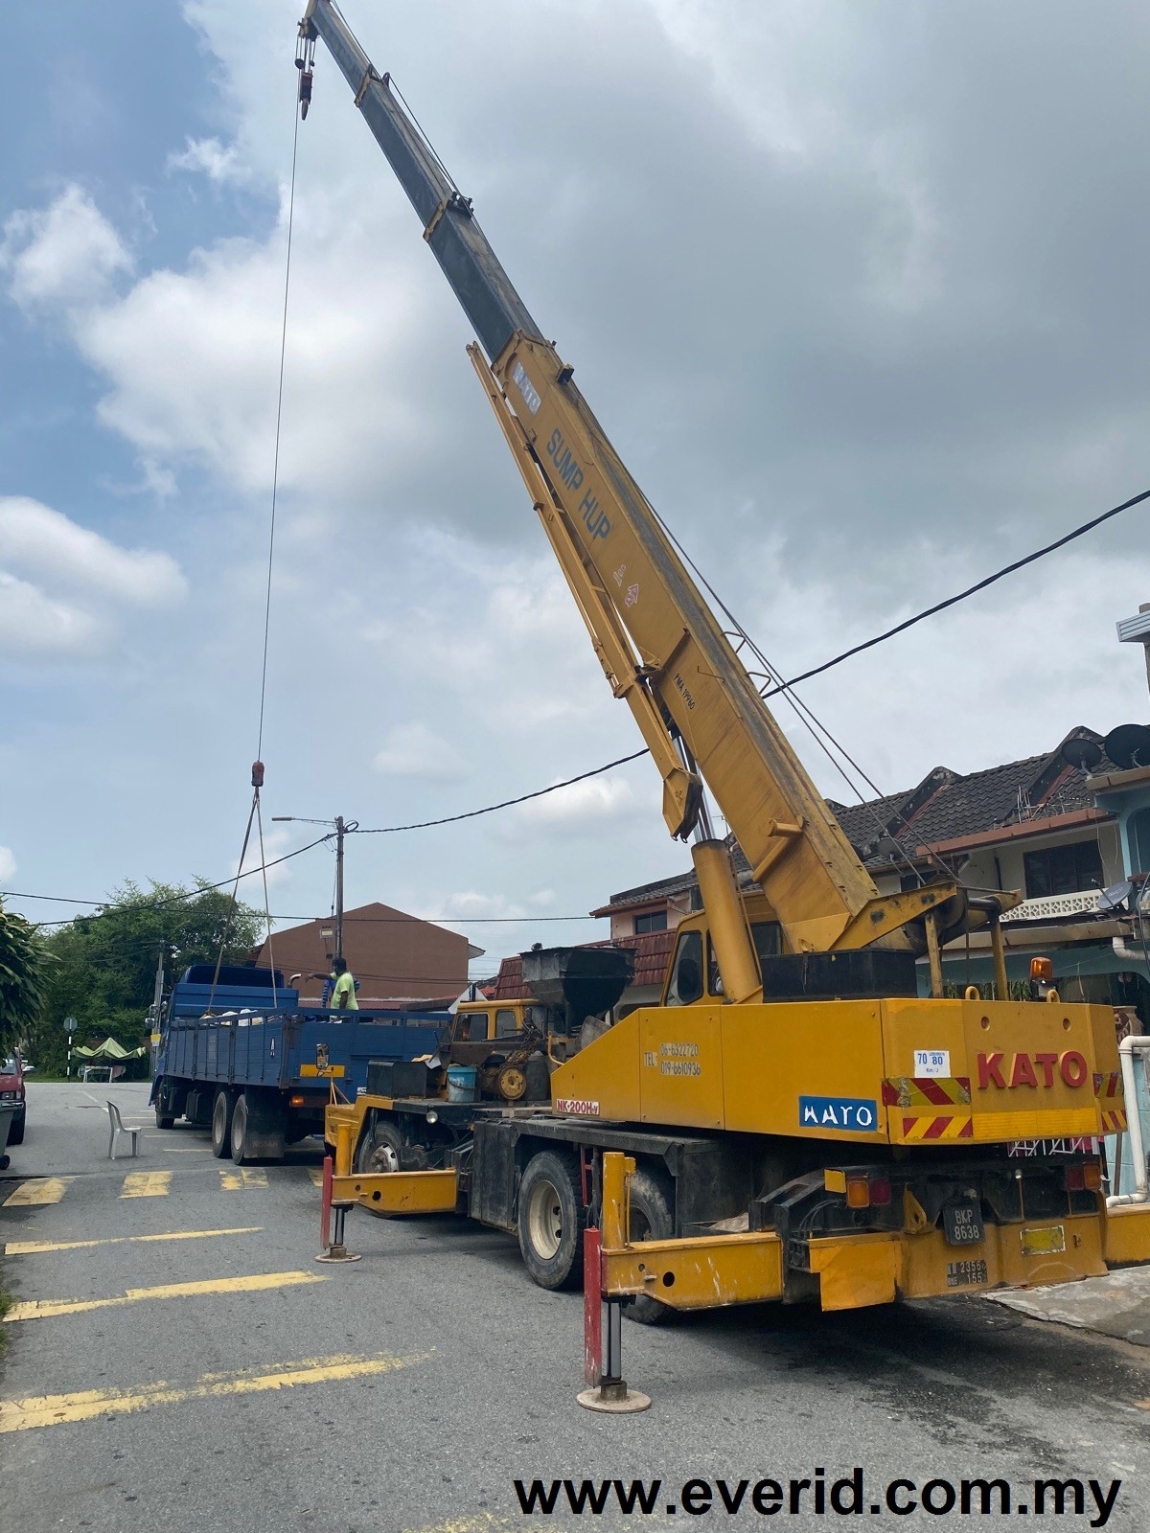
(217,1378)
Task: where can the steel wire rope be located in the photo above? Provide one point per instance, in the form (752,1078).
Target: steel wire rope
(279,428)
(806,715)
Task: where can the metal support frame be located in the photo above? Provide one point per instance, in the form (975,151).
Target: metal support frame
(607,1389)
(334,1246)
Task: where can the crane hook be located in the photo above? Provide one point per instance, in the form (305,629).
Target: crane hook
(305,63)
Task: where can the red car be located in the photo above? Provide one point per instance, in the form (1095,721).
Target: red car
(12,1090)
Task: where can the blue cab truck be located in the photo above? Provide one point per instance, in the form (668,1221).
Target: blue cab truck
(238,1053)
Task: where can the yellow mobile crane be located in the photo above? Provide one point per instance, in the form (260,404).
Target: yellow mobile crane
(793,1119)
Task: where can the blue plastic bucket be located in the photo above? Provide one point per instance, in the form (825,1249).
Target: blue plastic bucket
(462,1083)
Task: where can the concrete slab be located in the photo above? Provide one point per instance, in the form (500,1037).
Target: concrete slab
(1116,1305)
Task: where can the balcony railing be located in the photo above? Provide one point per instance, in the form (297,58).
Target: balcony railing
(1055,907)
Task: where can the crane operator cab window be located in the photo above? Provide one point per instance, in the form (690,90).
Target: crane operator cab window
(686,982)
(474,1026)
(506,1024)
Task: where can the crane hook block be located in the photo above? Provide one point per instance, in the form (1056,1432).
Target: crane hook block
(257,774)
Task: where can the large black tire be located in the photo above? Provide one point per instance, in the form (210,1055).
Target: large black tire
(163,1119)
(222,1110)
(652,1218)
(380,1149)
(16,1129)
(241,1149)
(552,1219)
(258,1125)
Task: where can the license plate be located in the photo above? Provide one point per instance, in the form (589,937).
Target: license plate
(963,1224)
(963,1274)
(1044,1242)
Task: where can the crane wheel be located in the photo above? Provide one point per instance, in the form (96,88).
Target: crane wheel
(551,1220)
(652,1218)
(379,1150)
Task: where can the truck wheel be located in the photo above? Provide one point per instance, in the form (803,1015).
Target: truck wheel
(652,1218)
(551,1220)
(163,1120)
(380,1150)
(16,1129)
(222,1111)
(241,1138)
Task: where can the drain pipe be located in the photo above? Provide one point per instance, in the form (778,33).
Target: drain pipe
(1141,1194)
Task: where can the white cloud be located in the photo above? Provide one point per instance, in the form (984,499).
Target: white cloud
(48,544)
(413,750)
(7,864)
(34,625)
(581,807)
(64,255)
(210,158)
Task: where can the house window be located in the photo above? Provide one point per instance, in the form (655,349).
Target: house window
(651,921)
(1062,869)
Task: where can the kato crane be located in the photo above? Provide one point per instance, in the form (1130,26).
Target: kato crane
(793,1120)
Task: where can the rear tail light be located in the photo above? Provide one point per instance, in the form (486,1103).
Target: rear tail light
(880,1193)
(295,1101)
(858,1192)
(1084,1176)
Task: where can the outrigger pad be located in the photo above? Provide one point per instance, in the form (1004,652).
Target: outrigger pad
(857,974)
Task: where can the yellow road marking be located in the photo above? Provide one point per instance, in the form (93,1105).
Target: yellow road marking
(39,1190)
(86,1404)
(316,1174)
(147,1184)
(236,1181)
(36,1247)
(42,1309)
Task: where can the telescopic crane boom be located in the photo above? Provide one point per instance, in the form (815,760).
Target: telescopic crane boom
(659,644)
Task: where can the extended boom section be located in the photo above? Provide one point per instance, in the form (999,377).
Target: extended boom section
(662,647)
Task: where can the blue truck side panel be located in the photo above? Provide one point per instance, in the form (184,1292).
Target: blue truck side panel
(287,1051)
(257,1036)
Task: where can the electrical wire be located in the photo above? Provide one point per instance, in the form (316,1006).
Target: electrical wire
(471,814)
(951,601)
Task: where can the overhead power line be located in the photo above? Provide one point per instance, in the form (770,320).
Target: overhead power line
(952,601)
(471,814)
(523,798)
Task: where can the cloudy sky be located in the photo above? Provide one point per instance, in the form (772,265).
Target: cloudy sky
(857,288)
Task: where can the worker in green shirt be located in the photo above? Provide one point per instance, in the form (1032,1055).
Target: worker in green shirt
(343,996)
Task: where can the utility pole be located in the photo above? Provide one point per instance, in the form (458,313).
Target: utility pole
(70,1024)
(339,834)
(342,828)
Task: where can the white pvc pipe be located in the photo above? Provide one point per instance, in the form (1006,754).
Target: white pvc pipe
(1141,1194)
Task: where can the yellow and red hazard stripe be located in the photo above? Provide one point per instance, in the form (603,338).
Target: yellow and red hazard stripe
(912,1093)
(1107,1090)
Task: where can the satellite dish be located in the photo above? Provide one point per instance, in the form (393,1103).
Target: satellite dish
(1129,746)
(1116,895)
(1081,752)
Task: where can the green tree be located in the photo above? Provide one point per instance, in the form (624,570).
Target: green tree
(104,966)
(22,967)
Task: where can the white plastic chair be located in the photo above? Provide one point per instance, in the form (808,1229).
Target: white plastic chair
(117,1127)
